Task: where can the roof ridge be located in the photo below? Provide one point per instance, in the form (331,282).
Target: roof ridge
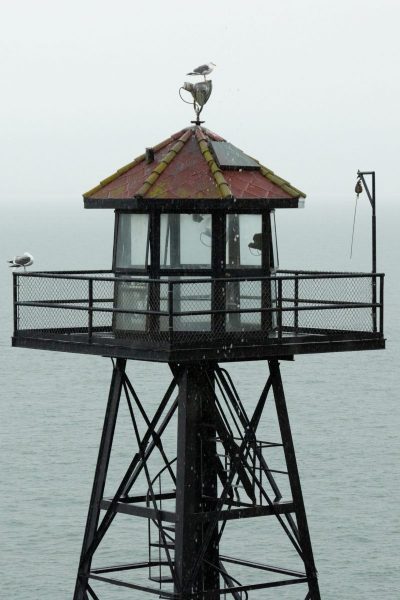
(134,162)
(220,180)
(163,164)
(214,136)
(282,183)
(286,186)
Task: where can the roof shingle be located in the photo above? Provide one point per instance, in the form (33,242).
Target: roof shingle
(185,168)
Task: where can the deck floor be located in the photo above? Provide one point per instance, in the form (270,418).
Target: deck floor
(194,346)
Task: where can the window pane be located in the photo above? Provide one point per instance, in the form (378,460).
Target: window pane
(133,247)
(243,240)
(185,240)
(244,295)
(192,297)
(130,296)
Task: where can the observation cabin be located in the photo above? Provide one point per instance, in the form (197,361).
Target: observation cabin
(195,269)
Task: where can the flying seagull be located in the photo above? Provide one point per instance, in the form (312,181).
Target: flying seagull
(26,260)
(203,70)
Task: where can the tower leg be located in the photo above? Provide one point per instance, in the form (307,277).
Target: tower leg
(195,479)
(100,477)
(294,479)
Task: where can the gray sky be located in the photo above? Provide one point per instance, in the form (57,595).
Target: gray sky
(309,87)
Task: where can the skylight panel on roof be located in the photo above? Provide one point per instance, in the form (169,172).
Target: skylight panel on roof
(228,156)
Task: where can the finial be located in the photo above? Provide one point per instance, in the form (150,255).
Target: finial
(200,91)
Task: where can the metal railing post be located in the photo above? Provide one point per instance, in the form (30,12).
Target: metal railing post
(381,295)
(90,310)
(374,300)
(279,308)
(171,311)
(296,302)
(15,302)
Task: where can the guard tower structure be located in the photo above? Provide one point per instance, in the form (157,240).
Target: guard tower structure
(195,283)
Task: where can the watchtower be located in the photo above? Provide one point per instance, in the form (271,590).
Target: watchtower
(195,283)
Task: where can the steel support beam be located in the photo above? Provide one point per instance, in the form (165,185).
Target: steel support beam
(100,476)
(195,477)
(294,479)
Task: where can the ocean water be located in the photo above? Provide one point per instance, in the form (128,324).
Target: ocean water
(344,411)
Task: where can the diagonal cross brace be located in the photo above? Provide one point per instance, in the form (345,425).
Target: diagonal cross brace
(240,453)
(229,387)
(293,535)
(131,474)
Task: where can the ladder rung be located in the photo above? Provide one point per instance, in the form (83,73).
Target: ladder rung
(169,527)
(169,545)
(161,578)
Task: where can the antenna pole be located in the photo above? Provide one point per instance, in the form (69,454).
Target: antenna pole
(371,197)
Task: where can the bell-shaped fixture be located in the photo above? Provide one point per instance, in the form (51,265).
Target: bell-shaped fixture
(256,244)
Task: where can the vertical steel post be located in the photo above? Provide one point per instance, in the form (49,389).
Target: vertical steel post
(170,311)
(279,307)
(218,287)
(381,295)
(211,578)
(15,301)
(373,224)
(195,477)
(188,480)
(296,302)
(373,250)
(233,288)
(100,477)
(267,261)
(372,198)
(294,479)
(90,310)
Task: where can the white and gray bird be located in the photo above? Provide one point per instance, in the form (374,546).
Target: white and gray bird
(26,260)
(203,70)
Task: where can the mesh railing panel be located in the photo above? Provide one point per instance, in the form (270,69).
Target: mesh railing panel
(192,298)
(313,297)
(187,310)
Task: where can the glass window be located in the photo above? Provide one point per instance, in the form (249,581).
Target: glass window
(188,296)
(243,241)
(130,296)
(243,295)
(185,241)
(133,241)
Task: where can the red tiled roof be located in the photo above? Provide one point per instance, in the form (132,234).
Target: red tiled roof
(184,168)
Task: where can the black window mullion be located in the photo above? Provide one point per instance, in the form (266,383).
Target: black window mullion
(218,292)
(266,286)
(154,271)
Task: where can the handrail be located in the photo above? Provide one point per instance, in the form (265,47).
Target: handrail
(273,297)
(168,279)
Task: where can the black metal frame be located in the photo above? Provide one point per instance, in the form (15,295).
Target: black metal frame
(218,265)
(210,413)
(372,199)
(193,205)
(265,338)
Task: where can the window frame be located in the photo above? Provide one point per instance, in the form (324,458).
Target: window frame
(218,267)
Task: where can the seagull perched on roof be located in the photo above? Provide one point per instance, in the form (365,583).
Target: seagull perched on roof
(26,260)
(203,70)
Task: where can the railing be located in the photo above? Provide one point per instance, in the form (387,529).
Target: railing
(172,309)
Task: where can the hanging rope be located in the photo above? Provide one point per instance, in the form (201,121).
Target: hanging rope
(358,190)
